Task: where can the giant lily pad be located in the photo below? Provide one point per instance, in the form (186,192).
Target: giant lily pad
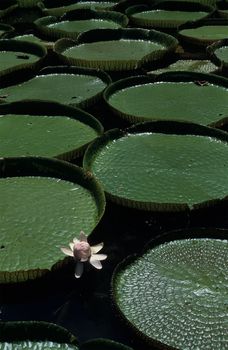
(46,203)
(55,131)
(67,85)
(174,295)
(115,49)
(167,14)
(75,22)
(158,165)
(34,334)
(200,66)
(15,55)
(194,97)
(203,33)
(58,8)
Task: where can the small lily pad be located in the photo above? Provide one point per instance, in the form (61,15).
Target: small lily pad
(15,56)
(174,295)
(218,53)
(46,203)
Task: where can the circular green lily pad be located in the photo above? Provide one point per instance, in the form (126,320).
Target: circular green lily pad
(175,294)
(57,131)
(115,49)
(193,97)
(58,8)
(168,14)
(46,203)
(16,55)
(75,22)
(35,335)
(67,85)
(204,33)
(162,166)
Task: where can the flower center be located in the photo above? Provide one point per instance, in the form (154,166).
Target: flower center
(82,250)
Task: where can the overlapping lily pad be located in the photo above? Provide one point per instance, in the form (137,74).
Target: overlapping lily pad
(15,56)
(75,22)
(200,66)
(45,129)
(74,86)
(161,166)
(167,14)
(117,49)
(46,203)
(174,295)
(194,97)
(219,54)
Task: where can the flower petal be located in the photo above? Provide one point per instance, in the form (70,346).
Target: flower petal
(75,240)
(96,263)
(67,251)
(83,237)
(100,256)
(78,269)
(96,248)
(71,246)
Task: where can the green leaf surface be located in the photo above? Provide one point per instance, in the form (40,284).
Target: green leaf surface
(58,131)
(78,89)
(41,213)
(175,294)
(205,104)
(161,168)
(103,344)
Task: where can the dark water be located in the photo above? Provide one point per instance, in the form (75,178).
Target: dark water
(84,306)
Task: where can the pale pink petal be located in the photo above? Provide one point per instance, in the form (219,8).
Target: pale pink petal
(100,256)
(95,263)
(83,237)
(67,251)
(71,246)
(96,248)
(78,269)
(75,240)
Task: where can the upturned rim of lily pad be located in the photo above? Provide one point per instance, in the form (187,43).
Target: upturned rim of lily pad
(211,51)
(161,239)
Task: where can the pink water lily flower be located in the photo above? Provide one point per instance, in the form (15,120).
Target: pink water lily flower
(81,251)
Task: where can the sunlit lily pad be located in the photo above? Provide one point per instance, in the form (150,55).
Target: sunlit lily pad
(194,97)
(58,8)
(158,165)
(174,295)
(74,86)
(75,22)
(116,49)
(15,55)
(46,203)
(45,129)
(168,14)
(200,66)
(204,33)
